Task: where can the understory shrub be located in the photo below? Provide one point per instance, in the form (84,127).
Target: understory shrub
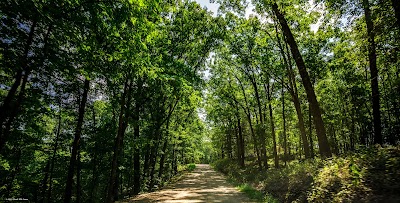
(370,175)
(367,175)
(190,167)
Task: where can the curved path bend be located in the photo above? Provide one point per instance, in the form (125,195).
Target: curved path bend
(202,185)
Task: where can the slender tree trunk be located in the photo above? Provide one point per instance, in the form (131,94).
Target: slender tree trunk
(158,133)
(153,157)
(229,141)
(45,181)
(237,143)
(310,131)
(78,177)
(174,160)
(299,148)
(248,114)
(164,153)
(353,130)
(76,143)
(136,133)
(146,161)
(255,141)
(301,126)
(239,140)
(50,163)
(261,129)
(284,125)
(54,156)
(242,149)
(13,111)
(319,124)
(269,92)
(5,108)
(9,112)
(95,177)
(122,124)
(335,143)
(294,93)
(223,151)
(374,74)
(136,157)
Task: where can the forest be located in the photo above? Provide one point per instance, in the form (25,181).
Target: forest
(101,100)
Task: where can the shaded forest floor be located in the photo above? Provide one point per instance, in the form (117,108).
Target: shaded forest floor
(201,185)
(366,175)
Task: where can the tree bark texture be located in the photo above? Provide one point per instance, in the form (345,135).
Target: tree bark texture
(319,124)
(76,143)
(376,112)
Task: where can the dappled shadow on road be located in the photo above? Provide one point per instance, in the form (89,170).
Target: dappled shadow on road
(202,185)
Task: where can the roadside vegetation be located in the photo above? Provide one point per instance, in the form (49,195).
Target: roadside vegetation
(367,175)
(190,167)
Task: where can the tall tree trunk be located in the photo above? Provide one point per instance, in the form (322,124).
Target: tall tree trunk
(155,149)
(269,92)
(310,131)
(319,124)
(256,146)
(50,163)
(284,125)
(174,160)
(164,153)
(261,129)
(241,142)
(95,175)
(248,114)
(353,130)
(122,124)
(153,157)
(146,161)
(136,133)
(78,177)
(5,108)
(76,143)
(294,93)
(301,126)
(9,112)
(45,180)
(229,141)
(54,156)
(136,158)
(238,154)
(374,74)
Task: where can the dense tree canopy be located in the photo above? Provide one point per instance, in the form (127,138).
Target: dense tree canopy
(101,100)
(343,93)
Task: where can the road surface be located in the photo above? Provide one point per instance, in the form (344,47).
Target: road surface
(202,185)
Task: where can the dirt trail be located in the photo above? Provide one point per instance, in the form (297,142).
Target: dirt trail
(202,185)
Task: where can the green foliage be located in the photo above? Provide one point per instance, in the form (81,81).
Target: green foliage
(243,179)
(255,194)
(369,175)
(191,167)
